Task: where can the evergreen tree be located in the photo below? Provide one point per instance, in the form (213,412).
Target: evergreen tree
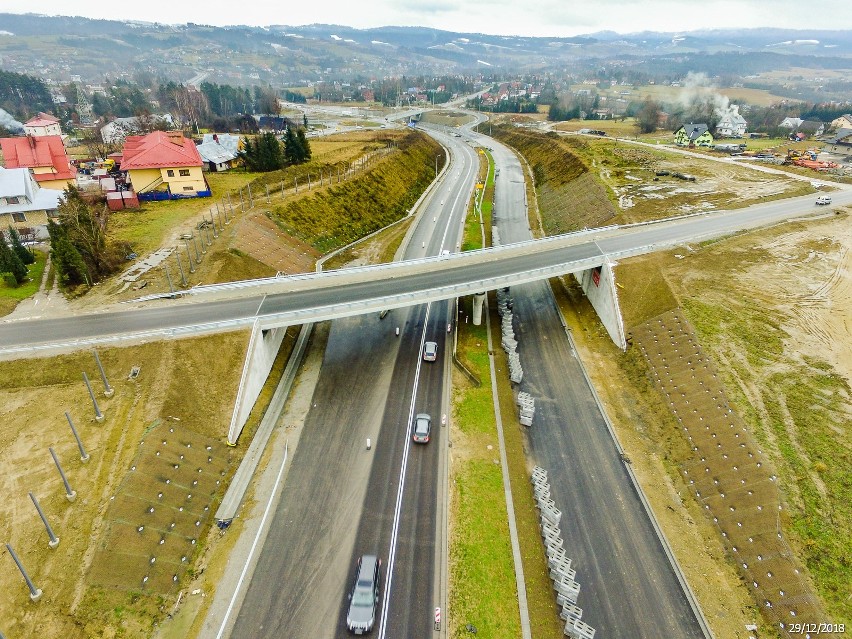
(305,146)
(19,248)
(292,152)
(10,262)
(263,153)
(66,258)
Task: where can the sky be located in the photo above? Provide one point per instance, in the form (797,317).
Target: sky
(548,18)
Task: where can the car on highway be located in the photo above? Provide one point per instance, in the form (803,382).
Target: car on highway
(422,428)
(430,351)
(364,598)
(822,200)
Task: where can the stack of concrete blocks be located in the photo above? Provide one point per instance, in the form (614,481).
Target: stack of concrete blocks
(558,563)
(508,341)
(527,406)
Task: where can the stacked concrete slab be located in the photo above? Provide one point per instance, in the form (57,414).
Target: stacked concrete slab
(558,563)
(526,402)
(508,341)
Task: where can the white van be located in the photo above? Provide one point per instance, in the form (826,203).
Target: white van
(823,199)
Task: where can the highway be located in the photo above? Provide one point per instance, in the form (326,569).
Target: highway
(315,297)
(341,500)
(628,588)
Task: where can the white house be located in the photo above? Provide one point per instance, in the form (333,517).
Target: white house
(731,124)
(791,123)
(219,150)
(23,203)
(41,125)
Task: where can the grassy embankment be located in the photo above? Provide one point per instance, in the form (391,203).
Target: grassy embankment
(10,297)
(483,590)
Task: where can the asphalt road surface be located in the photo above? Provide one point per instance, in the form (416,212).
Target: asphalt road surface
(341,292)
(628,587)
(341,500)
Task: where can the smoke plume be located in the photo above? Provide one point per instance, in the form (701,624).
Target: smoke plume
(10,123)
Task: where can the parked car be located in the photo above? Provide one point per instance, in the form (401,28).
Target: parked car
(422,428)
(364,598)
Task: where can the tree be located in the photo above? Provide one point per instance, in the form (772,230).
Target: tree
(66,259)
(304,144)
(86,231)
(18,247)
(263,153)
(10,262)
(648,116)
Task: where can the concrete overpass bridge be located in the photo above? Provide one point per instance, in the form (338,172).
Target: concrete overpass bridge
(268,305)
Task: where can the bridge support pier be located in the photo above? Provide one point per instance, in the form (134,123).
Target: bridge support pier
(260,356)
(598,284)
(478,303)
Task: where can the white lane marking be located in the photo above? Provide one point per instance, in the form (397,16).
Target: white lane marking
(260,528)
(257,312)
(398,507)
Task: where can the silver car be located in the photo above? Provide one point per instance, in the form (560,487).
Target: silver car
(430,351)
(422,428)
(364,598)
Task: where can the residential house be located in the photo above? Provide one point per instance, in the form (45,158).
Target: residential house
(41,125)
(24,204)
(118,129)
(841,143)
(220,151)
(693,135)
(731,124)
(810,128)
(45,156)
(164,165)
(843,122)
(791,123)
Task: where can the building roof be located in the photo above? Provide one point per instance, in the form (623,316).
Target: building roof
(42,151)
(843,136)
(810,126)
(694,131)
(159,149)
(42,119)
(219,147)
(20,183)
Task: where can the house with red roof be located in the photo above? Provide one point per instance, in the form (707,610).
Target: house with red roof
(41,125)
(163,165)
(45,156)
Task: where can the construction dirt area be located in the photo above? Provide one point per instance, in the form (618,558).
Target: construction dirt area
(733,405)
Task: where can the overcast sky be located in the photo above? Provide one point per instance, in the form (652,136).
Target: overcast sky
(551,18)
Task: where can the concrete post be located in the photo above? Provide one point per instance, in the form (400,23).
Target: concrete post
(201,242)
(250,197)
(99,416)
(84,456)
(207,236)
(296,183)
(242,206)
(478,303)
(267,194)
(213,225)
(70,494)
(230,206)
(54,540)
(35,593)
(189,255)
(221,224)
(169,278)
(108,390)
(180,268)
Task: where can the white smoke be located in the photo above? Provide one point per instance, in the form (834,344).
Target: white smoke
(698,88)
(10,123)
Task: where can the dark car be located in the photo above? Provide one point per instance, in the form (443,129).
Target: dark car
(364,598)
(422,428)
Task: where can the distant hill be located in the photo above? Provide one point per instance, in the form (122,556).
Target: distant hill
(61,47)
